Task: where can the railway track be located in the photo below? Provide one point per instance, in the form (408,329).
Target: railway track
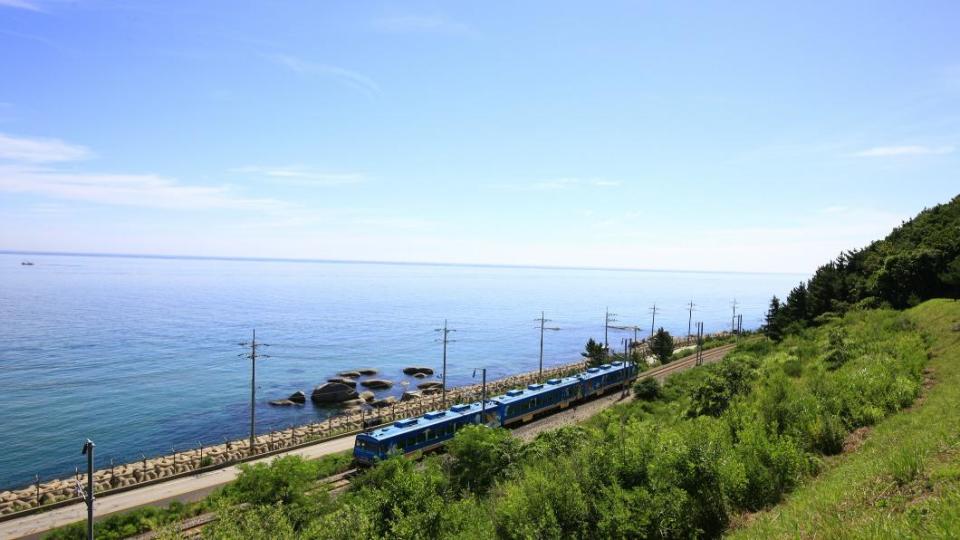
(709,356)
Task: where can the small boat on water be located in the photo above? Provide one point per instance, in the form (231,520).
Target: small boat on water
(26,263)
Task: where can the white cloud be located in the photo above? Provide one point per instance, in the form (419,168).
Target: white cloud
(430,24)
(20,4)
(301,176)
(909,150)
(39,150)
(346,77)
(140,190)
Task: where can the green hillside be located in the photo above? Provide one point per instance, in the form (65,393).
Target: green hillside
(904,481)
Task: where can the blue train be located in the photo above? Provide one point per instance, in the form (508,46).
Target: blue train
(434,429)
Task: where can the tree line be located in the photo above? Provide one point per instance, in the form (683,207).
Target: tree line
(918,261)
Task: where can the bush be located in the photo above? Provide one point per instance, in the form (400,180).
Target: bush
(481,456)
(647,389)
(826,434)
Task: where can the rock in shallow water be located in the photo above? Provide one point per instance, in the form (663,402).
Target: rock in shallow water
(298,397)
(343,380)
(415,370)
(332,392)
(378,384)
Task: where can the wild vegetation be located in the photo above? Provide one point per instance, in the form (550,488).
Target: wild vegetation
(904,481)
(685,460)
(918,261)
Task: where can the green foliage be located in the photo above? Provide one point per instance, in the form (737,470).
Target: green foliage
(661,345)
(482,456)
(647,389)
(266,522)
(595,353)
(129,523)
(722,383)
(903,480)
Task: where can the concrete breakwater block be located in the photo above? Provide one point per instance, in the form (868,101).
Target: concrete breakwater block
(416,370)
(376,384)
(385,402)
(411,395)
(332,392)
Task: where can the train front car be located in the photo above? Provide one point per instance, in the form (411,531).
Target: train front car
(422,433)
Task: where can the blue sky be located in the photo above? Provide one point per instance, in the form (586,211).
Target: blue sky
(679,135)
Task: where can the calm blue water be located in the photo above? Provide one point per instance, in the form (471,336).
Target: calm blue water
(142,354)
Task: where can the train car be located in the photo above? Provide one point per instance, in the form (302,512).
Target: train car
(521,405)
(598,380)
(422,433)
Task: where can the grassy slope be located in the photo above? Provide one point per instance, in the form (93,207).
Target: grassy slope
(904,481)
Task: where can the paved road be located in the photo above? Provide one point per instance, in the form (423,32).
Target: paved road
(196,487)
(190,488)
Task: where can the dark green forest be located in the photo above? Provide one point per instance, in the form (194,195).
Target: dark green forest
(918,261)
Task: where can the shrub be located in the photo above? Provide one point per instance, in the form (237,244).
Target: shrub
(545,502)
(647,389)
(481,456)
(826,434)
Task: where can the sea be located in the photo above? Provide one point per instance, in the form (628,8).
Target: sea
(144,355)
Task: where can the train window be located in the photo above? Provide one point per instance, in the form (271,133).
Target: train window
(370,446)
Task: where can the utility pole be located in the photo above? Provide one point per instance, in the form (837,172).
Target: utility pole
(253,355)
(653,317)
(606,326)
(733,317)
(446,332)
(87,494)
(689,318)
(543,321)
(699,343)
